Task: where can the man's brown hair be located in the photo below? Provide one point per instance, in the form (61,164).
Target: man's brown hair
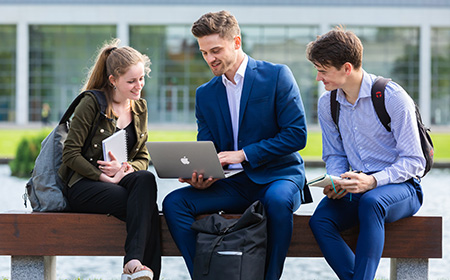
(335,48)
(222,23)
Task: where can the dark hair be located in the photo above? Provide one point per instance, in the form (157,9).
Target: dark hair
(113,60)
(222,23)
(335,48)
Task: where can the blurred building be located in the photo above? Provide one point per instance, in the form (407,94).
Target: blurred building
(48,45)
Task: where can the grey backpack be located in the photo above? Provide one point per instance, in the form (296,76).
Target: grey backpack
(231,249)
(45,188)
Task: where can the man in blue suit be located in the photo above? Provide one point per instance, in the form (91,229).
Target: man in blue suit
(253,113)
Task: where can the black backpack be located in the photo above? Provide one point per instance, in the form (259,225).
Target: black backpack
(45,188)
(231,249)
(377,94)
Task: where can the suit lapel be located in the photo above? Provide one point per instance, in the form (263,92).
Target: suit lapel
(249,78)
(222,100)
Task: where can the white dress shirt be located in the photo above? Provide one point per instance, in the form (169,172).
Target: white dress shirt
(234,93)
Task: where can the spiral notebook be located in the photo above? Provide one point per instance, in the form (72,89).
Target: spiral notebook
(323,180)
(117,144)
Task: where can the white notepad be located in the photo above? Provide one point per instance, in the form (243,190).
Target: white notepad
(117,144)
(322,180)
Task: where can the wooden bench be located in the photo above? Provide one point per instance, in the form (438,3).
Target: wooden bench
(33,240)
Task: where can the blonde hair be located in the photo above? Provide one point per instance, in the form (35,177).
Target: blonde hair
(115,61)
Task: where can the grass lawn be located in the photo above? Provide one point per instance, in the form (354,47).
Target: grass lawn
(9,139)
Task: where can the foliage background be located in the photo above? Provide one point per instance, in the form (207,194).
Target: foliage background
(23,146)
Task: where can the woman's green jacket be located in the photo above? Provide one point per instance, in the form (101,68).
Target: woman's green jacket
(85,117)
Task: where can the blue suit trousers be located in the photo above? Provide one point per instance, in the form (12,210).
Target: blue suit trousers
(233,195)
(370,210)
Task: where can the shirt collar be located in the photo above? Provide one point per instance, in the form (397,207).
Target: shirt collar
(366,85)
(240,73)
(364,90)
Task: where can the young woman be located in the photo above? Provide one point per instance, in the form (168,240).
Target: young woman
(125,190)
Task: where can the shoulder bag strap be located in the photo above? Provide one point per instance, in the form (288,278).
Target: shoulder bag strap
(335,108)
(378,100)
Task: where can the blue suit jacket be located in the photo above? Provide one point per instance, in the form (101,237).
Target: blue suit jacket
(272,125)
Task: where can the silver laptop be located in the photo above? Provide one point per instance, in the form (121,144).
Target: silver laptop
(181,159)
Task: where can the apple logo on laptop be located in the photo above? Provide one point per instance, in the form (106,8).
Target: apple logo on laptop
(184,160)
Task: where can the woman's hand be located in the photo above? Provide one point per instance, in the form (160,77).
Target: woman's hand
(110,168)
(124,170)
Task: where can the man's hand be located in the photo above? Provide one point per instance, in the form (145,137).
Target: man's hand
(231,157)
(198,182)
(352,182)
(357,182)
(331,193)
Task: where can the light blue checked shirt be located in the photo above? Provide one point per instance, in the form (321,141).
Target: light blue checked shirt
(366,145)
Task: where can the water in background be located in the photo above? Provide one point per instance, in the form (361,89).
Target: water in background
(436,203)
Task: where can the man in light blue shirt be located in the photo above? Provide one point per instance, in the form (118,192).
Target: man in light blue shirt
(385,189)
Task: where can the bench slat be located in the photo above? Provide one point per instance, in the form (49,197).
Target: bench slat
(414,237)
(60,234)
(74,234)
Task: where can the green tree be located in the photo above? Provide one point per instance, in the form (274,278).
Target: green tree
(27,152)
